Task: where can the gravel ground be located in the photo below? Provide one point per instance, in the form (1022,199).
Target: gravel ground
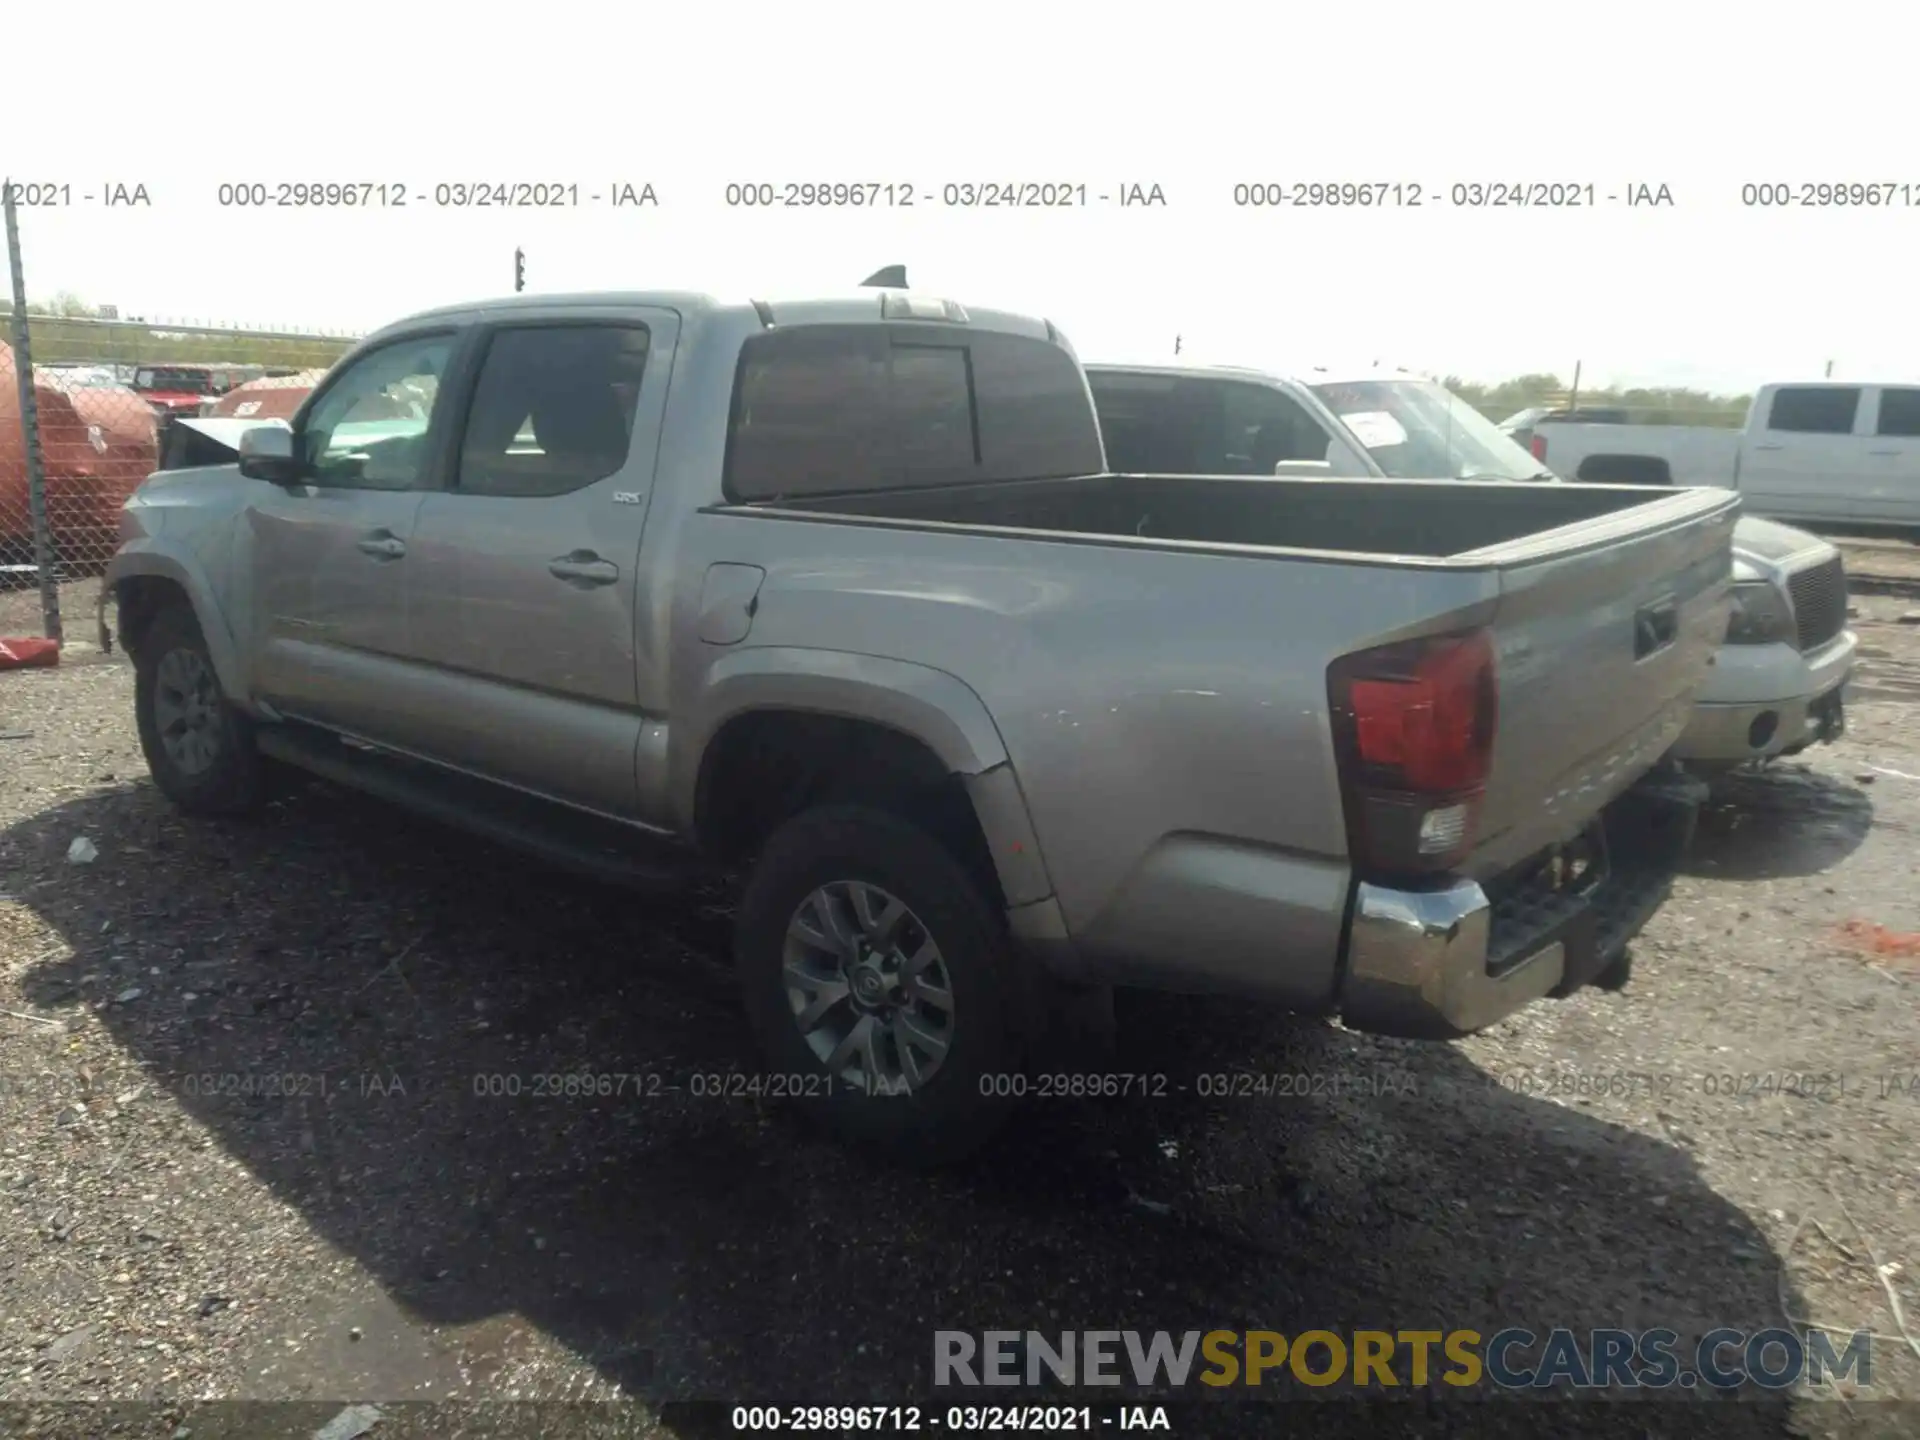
(1733,1138)
(20,612)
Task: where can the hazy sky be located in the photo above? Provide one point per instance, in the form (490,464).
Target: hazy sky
(1195,98)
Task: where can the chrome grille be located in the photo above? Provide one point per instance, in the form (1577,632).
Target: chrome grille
(1819,602)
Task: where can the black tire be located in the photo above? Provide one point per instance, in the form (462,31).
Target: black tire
(234,782)
(966,1099)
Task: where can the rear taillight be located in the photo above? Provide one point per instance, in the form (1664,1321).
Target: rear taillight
(1414,724)
(1539,447)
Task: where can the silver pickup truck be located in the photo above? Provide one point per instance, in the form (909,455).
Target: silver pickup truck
(838,594)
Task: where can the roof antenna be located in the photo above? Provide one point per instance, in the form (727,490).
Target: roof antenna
(888,277)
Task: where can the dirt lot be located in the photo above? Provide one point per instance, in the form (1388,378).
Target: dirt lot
(253,1143)
(21,613)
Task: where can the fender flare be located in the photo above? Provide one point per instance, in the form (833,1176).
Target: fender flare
(929,705)
(155,558)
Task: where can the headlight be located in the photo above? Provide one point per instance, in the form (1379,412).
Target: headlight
(1761,615)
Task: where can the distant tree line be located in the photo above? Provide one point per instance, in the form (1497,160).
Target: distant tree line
(68,329)
(1644,405)
(66,304)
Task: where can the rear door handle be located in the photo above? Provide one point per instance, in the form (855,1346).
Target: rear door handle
(1769,447)
(383,545)
(1883,452)
(583,569)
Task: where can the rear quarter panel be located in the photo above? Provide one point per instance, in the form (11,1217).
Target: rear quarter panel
(1165,712)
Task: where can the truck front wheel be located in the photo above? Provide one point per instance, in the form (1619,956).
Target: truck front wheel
(877,978)
(198,746)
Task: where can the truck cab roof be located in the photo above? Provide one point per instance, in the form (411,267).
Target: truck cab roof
(855,307)
(1177,369)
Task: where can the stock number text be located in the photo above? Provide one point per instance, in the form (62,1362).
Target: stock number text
(1318,194)
(819,194)
(1075,1085)
(313,195)
(1831,194)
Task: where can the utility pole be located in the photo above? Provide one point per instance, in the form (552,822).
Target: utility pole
(1176,344)
(519,270)
(1829,369)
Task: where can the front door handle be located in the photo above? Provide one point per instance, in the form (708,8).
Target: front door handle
(1883,452)
(383,546)
(1769,447)
(583,569)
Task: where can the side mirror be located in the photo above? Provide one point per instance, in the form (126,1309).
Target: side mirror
(268,452)
(1305,469)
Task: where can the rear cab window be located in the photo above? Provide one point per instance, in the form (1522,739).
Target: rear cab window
(1814,409)
(837,409)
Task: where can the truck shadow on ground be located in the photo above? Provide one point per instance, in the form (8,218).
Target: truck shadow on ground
(1786,820)
(694,1245)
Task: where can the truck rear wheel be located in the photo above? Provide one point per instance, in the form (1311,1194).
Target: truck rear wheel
(199,748)
(876,976)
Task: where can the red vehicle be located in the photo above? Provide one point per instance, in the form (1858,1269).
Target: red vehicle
(99,444)
(184,389)
(274,397)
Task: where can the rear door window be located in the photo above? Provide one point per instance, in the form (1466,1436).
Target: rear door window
(1814,409)
(1899,412)
(844,408)
(1146,429)
(1160,424)
(1263,427)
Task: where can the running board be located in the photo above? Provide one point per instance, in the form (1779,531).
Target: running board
(590,845)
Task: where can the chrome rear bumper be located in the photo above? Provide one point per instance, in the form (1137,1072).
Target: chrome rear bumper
(1445,962)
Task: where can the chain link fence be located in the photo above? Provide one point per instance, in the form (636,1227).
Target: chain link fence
(90,405)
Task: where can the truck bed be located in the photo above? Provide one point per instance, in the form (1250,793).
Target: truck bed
(1383,518)
(1606,602)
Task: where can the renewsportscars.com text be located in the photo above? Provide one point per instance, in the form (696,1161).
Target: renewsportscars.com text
(1512,1359)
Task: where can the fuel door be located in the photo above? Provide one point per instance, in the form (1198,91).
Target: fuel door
(729,599)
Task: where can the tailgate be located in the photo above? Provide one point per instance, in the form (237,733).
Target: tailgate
(1605,630)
